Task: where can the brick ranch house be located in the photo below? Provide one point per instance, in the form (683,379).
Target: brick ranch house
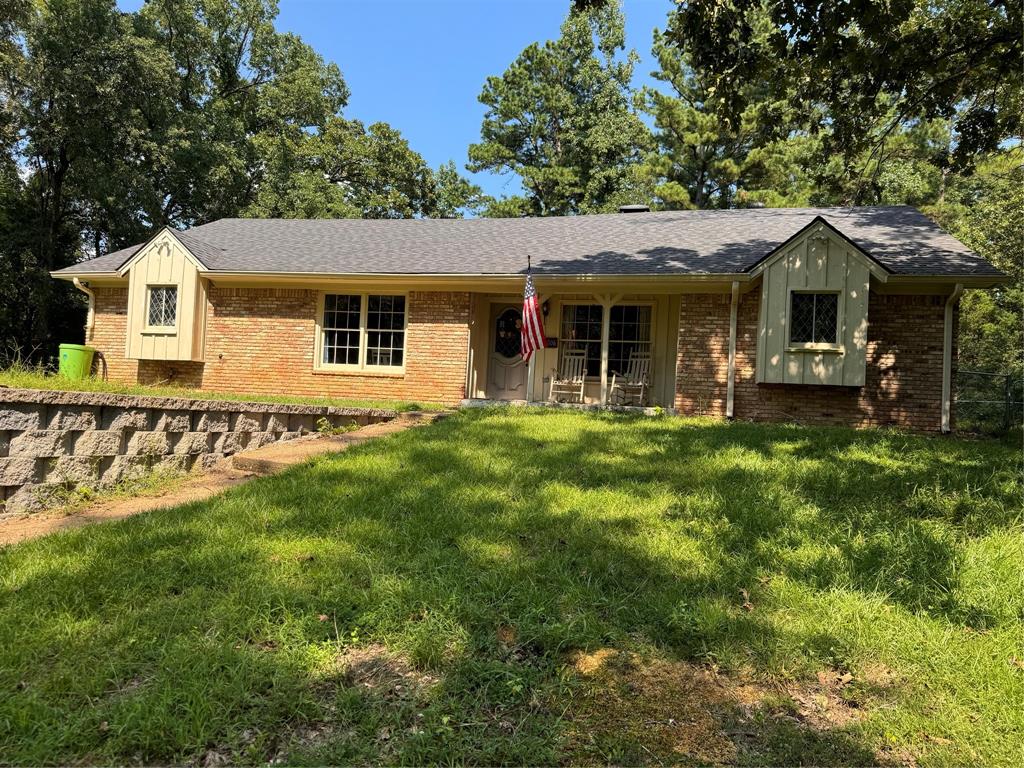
(832,315)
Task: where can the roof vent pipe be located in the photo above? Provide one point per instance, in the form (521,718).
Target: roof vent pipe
(634,208)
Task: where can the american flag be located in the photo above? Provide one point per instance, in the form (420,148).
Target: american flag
(533,323)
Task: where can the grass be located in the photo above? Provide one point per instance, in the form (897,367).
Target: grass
(26,377)
(520,586)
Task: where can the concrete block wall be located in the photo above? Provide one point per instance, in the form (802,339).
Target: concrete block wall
(51,440)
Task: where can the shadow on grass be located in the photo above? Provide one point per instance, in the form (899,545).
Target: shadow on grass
(212,628)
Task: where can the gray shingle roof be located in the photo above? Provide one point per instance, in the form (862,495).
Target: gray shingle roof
(900,238)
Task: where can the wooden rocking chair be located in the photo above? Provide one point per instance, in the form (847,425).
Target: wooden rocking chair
(571,377)
(631,387)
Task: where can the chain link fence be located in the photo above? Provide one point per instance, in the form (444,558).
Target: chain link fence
(988,403)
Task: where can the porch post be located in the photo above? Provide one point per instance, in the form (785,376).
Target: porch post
(606,317)
(531,368)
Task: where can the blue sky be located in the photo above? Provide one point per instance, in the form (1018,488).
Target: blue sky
(420,64)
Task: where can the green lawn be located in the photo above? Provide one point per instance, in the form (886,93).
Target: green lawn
(35,378)
(520,586)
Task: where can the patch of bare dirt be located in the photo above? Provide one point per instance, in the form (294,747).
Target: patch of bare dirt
(667,708)
(383,674)
(663,711)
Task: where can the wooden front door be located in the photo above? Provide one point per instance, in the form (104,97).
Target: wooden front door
(506,371)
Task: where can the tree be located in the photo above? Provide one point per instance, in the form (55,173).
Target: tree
(241,86)
(346,170)
(984,211)
(454,195)
(560,116)
(704,156)
(874,66)
(74,100)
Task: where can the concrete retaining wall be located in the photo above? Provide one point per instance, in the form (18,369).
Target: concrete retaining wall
(51,440)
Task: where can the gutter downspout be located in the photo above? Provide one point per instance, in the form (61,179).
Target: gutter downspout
(730,391)
(947,359)
(90,318)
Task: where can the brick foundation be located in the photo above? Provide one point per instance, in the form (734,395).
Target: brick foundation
(261,340)
(904,367)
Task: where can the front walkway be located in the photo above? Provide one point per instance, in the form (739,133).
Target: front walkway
(236,470)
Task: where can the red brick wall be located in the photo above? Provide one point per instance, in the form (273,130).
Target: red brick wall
(261,340)
(108,338)
(703,354)
(903,384)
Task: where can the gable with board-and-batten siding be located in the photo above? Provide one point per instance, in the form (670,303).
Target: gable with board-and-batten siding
(164,261)
(817,260)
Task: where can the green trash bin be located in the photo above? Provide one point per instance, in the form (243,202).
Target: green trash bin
(75,361)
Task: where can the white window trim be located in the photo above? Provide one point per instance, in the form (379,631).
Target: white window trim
(561,318)
(361,368)
(167,330)
(815,346)
(605,317)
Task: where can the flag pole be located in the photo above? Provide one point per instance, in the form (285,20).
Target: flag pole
(533,357)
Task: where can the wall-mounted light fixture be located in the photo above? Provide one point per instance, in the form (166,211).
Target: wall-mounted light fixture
(545,308)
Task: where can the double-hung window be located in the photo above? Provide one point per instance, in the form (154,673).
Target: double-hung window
(581,330)
(362,332)
(629,330)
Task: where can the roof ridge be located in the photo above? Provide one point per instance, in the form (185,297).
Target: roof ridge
(705,242)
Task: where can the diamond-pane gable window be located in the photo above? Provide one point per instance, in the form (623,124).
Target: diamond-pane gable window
(814,318)
(163,306)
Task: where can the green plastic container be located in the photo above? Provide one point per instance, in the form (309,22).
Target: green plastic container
(75,361)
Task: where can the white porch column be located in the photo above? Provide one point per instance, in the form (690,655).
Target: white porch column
(606,316)
(531,367)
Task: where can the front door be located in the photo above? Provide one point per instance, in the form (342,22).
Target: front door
(506,371)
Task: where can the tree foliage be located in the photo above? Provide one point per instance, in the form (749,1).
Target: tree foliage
(872,65)
(346,170)
(560,117)
(114,124)
(705,159)
(986,212)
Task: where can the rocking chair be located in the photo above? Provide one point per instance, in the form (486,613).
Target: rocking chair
(631,387)
(571,377)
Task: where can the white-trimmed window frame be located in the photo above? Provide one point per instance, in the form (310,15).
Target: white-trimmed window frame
(595,302)
(653,326)
(361,367)
(815,346)
(164,329)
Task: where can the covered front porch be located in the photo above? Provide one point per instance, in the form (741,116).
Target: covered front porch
(605,328)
